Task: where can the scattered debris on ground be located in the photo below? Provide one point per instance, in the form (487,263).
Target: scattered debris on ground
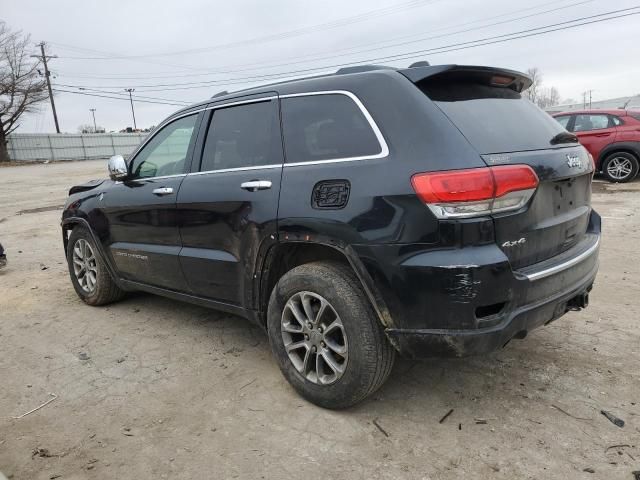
(53,397)
(618,422)
(384,432)
(175,369)
(446,415)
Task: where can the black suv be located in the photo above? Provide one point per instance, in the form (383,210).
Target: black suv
(427,211)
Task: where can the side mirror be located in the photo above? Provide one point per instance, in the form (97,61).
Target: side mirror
(118,168)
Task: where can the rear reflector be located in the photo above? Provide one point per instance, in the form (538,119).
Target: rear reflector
(476,191)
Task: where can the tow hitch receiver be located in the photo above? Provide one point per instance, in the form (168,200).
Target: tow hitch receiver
(578,302)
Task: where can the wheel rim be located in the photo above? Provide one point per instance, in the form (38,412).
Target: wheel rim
(85,267)
(619,168)
(314,338)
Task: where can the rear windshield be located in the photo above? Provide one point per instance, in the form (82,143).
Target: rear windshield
(493,119)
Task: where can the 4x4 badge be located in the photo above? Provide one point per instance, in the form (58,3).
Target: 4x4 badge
(514,243)
(573,161)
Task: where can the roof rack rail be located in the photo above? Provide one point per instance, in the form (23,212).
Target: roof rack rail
(362,68)
(220,94)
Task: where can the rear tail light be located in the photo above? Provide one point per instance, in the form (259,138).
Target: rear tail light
(476,191)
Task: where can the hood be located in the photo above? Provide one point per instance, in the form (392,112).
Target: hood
(83,187)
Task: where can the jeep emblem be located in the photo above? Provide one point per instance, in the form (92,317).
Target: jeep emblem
(573,160)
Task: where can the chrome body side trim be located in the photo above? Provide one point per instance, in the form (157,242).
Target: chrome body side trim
(237,169)
(384,148)
(186,114)
(547,272)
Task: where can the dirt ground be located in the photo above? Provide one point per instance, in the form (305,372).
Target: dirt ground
(151,388)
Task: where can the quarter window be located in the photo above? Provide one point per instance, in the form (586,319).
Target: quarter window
(563,120)
(326,127)
(584,123)
(243,136)
(166,152)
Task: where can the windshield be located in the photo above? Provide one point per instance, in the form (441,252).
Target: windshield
(493,119)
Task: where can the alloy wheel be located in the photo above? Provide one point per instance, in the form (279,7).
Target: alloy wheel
(314,338)
(84,265)
(619,168)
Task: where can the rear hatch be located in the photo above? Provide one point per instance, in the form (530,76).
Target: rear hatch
(489,109)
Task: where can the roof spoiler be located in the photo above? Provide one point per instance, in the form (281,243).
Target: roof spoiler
(498,77)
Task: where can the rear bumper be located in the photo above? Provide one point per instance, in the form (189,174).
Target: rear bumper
(517,324)
(467,301)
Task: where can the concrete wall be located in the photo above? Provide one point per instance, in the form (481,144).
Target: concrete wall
(31,147)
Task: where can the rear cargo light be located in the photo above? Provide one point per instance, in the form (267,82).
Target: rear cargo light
(501,80)
(476,191)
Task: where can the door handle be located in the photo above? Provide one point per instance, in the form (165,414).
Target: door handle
(163,191)
(256,185)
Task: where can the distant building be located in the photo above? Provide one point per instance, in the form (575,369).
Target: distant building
(629,103)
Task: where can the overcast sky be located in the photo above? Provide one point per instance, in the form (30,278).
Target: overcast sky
(173,43)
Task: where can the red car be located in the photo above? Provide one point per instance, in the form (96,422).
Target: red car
(612,137)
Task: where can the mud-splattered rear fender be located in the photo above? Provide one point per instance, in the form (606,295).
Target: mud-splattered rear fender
(430,288)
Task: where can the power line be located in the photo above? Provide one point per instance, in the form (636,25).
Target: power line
(171,100)
(386,44)
(114,98)
(376,13)
(577,22)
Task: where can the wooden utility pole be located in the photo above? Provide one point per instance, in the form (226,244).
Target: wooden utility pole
(133,113)
(43,58)
(93,112)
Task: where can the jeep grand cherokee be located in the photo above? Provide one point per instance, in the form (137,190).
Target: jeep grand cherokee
(423,211)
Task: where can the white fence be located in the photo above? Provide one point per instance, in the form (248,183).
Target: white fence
(32,147)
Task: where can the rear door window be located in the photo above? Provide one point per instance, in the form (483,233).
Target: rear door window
(243,136)
(493,119)
(585,123)
(326,127)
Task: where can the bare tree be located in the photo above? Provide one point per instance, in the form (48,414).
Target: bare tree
(533,91)
(21,86)
(86,128)
(548,97)
(544,97)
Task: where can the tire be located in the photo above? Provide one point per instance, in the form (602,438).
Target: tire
(620,167)
(368,356)
(101,291)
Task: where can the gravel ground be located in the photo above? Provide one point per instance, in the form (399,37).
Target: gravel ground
(151,388)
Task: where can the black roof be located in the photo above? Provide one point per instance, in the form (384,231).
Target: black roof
(417,72)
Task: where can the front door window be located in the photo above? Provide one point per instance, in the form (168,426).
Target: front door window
(166,153)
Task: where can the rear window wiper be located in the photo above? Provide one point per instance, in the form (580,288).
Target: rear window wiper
(563,137)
